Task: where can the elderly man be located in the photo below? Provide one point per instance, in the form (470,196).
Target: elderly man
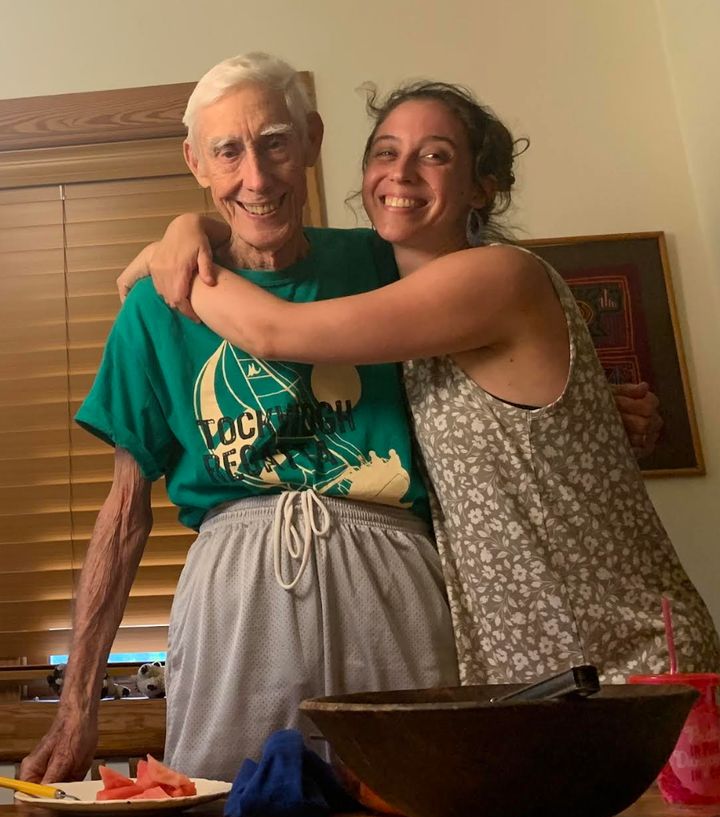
(313,572)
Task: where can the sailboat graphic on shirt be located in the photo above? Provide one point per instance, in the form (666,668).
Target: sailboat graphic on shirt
(264,425)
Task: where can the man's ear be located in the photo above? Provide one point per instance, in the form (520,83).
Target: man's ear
(195,164)
(315,129)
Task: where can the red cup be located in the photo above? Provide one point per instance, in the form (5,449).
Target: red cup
(692,774)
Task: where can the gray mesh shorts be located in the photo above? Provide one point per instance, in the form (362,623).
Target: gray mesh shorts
(368,612)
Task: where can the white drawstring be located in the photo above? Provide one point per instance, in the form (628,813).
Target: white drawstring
(284,528)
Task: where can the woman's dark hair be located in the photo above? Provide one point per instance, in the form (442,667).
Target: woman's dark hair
(492,147)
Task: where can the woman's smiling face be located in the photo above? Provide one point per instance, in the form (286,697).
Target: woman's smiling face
(419,183)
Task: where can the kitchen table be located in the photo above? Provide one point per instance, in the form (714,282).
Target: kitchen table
(650,804)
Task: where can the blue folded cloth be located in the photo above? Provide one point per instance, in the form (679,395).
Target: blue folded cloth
(289,781)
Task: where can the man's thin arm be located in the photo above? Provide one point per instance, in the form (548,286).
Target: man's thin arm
(113,555)
(116,546)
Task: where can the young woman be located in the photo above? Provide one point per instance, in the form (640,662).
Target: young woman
(552,551)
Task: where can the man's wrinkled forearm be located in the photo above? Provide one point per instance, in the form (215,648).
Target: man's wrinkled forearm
(113,555)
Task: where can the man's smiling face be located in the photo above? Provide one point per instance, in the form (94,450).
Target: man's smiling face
(246,148)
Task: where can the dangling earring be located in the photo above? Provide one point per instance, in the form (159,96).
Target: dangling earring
(474,229)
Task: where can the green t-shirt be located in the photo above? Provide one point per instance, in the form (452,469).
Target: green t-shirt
(221,424)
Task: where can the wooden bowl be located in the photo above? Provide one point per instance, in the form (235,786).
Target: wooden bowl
(451,753)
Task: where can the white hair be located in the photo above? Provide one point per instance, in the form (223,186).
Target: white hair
(254,67)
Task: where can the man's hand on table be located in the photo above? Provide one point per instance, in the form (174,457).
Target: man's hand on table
(66,750)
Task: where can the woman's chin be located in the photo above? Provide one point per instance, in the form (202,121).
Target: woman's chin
(397,234)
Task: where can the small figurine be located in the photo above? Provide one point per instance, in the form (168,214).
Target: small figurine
(55,681)
(150,680)
(109,688)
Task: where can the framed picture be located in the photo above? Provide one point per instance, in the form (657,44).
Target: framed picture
(623,287)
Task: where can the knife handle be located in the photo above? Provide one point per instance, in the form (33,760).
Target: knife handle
(34,789)
(577,682)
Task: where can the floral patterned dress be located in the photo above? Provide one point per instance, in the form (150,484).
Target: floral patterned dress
(552,551)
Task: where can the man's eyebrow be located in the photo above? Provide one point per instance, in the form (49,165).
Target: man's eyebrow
(220,142)
(279,128)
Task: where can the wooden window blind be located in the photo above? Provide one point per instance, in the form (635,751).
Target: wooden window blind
(71,217)
(61,248)
(36,569)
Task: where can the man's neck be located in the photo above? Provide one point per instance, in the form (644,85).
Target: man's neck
(238,254)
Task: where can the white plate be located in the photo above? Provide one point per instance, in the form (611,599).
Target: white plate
(87,791)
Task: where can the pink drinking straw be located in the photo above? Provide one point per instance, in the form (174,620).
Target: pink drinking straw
(667,620)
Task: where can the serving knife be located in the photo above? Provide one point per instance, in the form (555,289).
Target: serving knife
(578,682)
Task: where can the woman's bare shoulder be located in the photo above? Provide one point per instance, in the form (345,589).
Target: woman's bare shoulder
(511,255)
(502,265)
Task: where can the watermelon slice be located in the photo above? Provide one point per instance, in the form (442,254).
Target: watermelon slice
(113,779)
(119,793)
(155,793)
(160,773)
(187,790)
(154,781)
(144,779)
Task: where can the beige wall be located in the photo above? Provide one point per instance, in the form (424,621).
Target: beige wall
(612,94)
(690,33)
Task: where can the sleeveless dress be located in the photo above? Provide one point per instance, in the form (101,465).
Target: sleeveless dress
(552,552)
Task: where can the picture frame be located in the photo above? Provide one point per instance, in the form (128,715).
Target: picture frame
(623,285)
